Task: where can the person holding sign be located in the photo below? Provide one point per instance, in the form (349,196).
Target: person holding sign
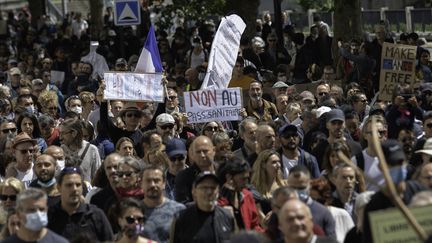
(396,160)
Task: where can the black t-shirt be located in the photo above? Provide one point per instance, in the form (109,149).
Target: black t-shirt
(206,233)
(48,238)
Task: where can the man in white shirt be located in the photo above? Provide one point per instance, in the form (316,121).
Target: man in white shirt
(79,25)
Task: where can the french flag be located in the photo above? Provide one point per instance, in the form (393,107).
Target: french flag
(149,60)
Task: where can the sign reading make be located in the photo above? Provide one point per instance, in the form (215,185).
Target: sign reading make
(213,105)
(127,12)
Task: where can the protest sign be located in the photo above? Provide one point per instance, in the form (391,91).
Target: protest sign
(397,66)
(390,226)
(213,105)
(223,53)
(134,86)
(57,77)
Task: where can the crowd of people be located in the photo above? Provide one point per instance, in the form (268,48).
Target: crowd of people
(75,167)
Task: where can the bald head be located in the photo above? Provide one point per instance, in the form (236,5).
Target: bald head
(202,152)
(56,152)
(111,164)
(295,221)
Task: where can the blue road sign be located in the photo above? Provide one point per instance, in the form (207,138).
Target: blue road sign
(127,12)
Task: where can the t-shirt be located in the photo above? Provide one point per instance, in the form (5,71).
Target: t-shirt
(48,238)
(26,177)
(159,219)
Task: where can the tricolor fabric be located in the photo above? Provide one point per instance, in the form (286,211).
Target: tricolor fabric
(149,60)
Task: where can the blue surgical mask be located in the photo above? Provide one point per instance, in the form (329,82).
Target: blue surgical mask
(36,221)
(47,184)
(303,195)
(398,174)
(30,109)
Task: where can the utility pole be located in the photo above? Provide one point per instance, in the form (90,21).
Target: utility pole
(278,20)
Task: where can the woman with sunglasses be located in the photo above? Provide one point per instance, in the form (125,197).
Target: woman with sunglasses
(129,173)
(211,128)
(130,219)
(9,190)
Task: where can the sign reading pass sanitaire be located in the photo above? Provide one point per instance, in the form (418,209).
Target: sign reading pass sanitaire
(133,86)
(213,105)
(389,226)
(397,66)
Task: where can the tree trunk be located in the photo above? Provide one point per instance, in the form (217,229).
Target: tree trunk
(248,10)
(346,23)
(37,9)
(96,12)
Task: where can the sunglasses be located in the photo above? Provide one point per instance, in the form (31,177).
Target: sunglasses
(7,130)
(25,151)
(322,93)
(211,129)
(169,126)
(127,174)
(172,97)
(290,135)
(6,197)
(177,158)
(136,115)
(132,219)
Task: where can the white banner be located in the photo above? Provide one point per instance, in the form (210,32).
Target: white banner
(213,105)
(223,53)
(134,86)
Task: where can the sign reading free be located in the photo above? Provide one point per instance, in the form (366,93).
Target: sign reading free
(213,105)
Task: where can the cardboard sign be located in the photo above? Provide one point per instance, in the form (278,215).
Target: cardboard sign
(397,66)
(213,105)
(134,86)
(390,226)
(224,52)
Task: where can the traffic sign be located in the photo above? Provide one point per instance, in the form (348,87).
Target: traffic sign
(127,12)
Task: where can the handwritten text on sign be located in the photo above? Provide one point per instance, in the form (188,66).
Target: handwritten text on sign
(133,86)
(397,66)
(213,105)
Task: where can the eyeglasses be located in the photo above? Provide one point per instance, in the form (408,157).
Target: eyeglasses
(322,93)
(125,173)
(177,158)
(132,219)
(211,129)
(172,97)
(6,197)
(169,126)
(7,130)
(290,135)
(429,125)
(136,115)
(25,151)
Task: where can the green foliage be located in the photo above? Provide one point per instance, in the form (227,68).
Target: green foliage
(320,5)
(191,10)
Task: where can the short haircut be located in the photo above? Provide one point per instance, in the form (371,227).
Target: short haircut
(154,167)
(283,190)
(68,171)
(300,169)
(123,205)
(136,164)
(53,160)
(339,166)
(242,125)
(30,193)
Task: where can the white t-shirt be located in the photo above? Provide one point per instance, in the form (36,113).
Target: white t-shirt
(371,170)
(343,222)
(287,165)
(26,177)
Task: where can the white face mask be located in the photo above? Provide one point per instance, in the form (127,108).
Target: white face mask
(77,109)
(36,221)
(31,109)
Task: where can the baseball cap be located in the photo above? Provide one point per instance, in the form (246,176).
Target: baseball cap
(165,118)
(15,71)
(393,152)
(323,109)
(175,147)
(427,147)
(335,115)
(280,84)
(203,175)
(121,61)
(288,129)
(37,81)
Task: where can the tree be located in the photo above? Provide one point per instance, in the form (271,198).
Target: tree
(320,5)
(248,10)
(37,9)
(96,14)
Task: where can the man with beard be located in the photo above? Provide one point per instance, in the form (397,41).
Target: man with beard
(107,196)
(44,169)
(203,221)
(247,132)
(345,180)
(71,215)
(172,103)
(258,107)
(407,138)
(165,126)
(159,210)
(292,154)
(335,124)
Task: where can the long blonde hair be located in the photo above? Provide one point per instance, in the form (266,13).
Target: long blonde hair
(260,176)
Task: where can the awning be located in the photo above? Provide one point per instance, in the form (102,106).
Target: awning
(12,4)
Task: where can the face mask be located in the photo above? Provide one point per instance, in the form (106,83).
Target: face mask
(303,195)
(30,109)
(61,163)
(47,184)
(133,232)
(398,174)
(36,221)
(77,109)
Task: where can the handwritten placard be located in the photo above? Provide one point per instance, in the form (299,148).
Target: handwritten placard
(397,67)
(133,86)
(213,105)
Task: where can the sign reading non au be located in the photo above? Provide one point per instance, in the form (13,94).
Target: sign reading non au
(134,86)
(390,226)
(397,67)
(213,105)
